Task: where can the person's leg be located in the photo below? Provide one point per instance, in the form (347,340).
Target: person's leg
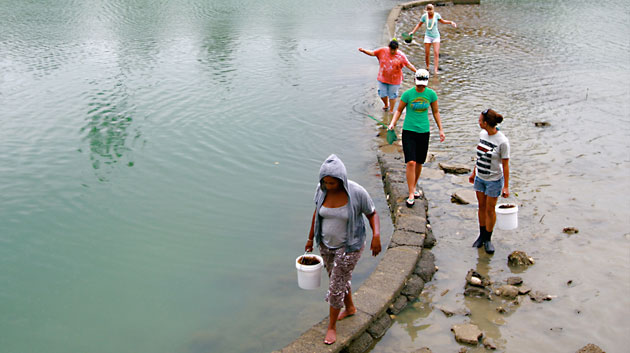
(412,180)
(427,54)
(340,288)
(349,304)
(422,148)
(481,211)
(436,56)
(491,218)
(392,104)
(382,93)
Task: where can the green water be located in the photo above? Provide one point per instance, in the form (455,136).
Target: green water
(158,161)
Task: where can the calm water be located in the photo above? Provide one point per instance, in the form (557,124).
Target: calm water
(157,166)
(568,63)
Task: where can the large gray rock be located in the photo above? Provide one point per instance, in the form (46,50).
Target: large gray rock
(430,173)
(454,168)
(514,281)
(467,333)
(414,286)
(425,268)
(475,278)
(429,239)
(380,326)
(398,304)
(464,196)
(590,348)
(539,297)
(360,344)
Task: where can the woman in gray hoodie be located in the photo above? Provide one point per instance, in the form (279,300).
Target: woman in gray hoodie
(339,230)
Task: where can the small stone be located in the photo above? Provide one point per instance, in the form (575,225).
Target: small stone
(519,258)
(467,333)
(514,281)
(501,310)
(570,230)
(569,282)
(539,297)
(541,123)
(488,344)
(475,281)
(590,348)
(507,291)
(444,292)
(463,350)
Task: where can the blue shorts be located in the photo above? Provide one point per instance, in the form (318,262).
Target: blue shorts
(490,188)
(387,90)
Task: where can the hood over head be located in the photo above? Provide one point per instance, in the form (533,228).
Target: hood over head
(334,167)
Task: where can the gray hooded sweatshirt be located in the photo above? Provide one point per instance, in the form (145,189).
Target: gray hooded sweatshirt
(359,203)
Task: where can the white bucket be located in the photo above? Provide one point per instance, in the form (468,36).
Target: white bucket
(507,218)
(309,276)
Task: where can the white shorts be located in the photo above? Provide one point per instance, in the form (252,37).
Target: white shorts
(428,39)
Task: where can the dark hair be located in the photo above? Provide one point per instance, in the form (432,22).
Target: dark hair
(491,117)
(393,45)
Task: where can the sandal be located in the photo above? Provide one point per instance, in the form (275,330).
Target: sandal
(410,202)
(416,194)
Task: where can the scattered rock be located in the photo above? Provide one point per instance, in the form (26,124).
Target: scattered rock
(556,329)
(524,290)
(514,281)
(570,230)
(519,258)
(454,169)
(423,350)
(488,343)
(507,291)
(430,173)
(590,348)
(463,350)
(450,312)
(539,297)
(542,124)
(467,333)
(501,310)
(474,278)
(464,197)
(444,292)
(477,292)
(569,282)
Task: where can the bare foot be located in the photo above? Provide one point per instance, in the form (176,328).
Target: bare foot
(331,337)
(436,72)
(348,312)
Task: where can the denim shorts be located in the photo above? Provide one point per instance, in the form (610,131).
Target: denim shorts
(490,188)
(387,90)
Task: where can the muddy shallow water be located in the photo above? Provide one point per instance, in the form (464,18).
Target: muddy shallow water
(532,61)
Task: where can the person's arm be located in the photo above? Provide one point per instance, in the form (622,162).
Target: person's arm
(471,178)
(506,177)
(401,107)
(311,234)
(417,27)
(375,224)
(436,116)
(410,66)
(368,52)
(452,23)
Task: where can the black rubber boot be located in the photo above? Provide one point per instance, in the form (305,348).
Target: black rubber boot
(481,239)
(488,244)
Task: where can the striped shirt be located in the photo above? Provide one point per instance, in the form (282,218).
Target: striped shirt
(490,151)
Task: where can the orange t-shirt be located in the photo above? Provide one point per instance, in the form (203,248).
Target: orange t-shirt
(390,70)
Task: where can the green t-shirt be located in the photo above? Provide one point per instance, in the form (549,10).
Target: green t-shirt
(418,104)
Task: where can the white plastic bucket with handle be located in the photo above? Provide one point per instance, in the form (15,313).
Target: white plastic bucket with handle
(507,216)
(309,276)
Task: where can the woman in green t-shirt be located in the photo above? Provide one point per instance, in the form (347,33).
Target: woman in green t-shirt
(415,134)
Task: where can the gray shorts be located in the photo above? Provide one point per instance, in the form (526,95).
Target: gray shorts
(339,265)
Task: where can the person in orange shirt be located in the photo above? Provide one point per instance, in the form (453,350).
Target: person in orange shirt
(391,62)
